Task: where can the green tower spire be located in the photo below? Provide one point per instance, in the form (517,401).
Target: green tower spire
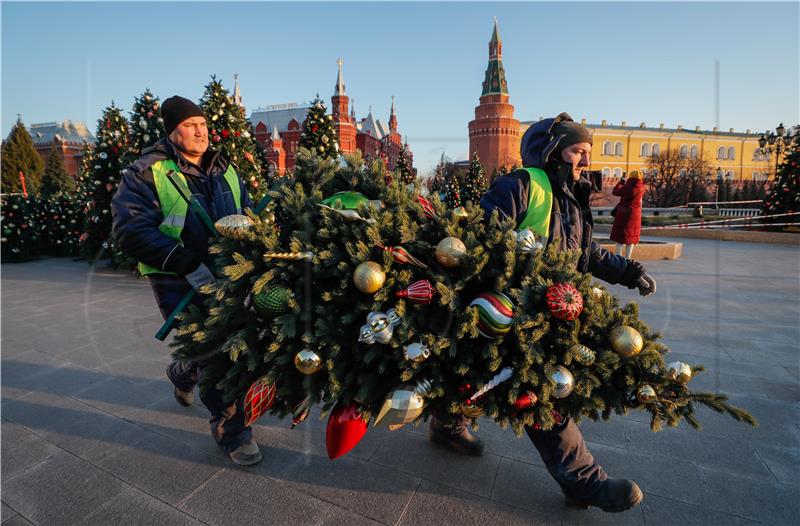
(495,82)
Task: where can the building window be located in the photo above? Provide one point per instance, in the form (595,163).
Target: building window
(606,172)
(645,150)
(607,148)
(721,152)
(617,172)
(618,149)
(731,153)
(684,151)
(656,150)
(693,152)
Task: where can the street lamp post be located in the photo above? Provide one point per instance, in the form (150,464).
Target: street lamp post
(775,142)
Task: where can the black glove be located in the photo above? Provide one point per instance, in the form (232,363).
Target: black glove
(646,284)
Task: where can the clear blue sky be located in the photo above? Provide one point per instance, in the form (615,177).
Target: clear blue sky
(651,62)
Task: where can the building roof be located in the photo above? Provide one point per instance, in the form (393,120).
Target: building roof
(73,132)
(279,115)
(526,124)
(372,126)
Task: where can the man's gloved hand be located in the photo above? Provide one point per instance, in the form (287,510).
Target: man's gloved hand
(646,284)
(200,276)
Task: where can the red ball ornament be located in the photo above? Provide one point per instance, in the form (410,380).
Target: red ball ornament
(259,398)
(346,428)
(225,133)
(427,207)
(525,400)
(314,128)
(564,301)
(237,133)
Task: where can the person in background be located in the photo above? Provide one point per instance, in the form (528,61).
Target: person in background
(628,218)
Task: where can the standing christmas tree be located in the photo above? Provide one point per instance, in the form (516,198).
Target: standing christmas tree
(55,179)
(20,157)
(474,181)
(437,184)
(404,171)
(229,132)
(784,194)
(319,135)
(146,125)
(452,192)
(21,227)
(110,145)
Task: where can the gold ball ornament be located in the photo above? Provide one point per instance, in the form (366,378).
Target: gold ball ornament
(449,251)
(646,394)
(307,361)
(680,372)
(369,277)
(626,341)
(234,226)
(583,354)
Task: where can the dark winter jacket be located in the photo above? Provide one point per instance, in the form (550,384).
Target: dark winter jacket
(137,216)
(628,219)
(571,219)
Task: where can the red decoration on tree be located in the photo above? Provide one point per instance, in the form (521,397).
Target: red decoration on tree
(564,301)
(556,416)
(314,128)
(225,133)
(401,255)
(419,292)
(346,428)
(427,207)
(259,398)
(525,400)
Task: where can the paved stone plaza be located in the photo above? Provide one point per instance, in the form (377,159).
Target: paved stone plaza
(92,435)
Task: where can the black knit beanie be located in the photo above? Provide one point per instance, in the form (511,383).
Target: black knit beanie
(176,109)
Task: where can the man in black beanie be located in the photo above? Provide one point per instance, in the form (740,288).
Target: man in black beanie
(550,197)
(153,224)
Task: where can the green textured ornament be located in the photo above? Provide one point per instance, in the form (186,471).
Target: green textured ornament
(272,301)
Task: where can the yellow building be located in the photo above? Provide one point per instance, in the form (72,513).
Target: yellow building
(618,149)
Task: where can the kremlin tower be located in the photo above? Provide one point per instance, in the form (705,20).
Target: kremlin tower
(495,133)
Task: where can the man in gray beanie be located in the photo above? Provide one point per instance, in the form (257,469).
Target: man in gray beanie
(152,223)
(550,196)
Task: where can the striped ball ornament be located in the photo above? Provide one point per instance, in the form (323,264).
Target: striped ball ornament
(495,313)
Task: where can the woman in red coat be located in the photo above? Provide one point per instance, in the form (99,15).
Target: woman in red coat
(628,218)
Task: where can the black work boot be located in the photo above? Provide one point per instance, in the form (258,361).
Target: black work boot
(456,438)
(615,495)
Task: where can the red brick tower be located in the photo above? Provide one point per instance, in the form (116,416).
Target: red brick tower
(345,126)
(494,133)
(275,152)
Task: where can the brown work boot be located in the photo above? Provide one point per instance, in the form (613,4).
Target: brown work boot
(247,454)
(614,496)
(185,398)
(455,439)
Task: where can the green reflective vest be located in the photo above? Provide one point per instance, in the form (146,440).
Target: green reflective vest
(540,204)
(174,207)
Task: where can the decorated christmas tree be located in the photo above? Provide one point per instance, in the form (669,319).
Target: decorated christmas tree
(475,181)
(111,144)
(20,157)
(784,194)
(55,179)
(146,127)
(319,135)
(22,227)
(384,307)
(404,171)
(229,131)
(452,192)
(437,184)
